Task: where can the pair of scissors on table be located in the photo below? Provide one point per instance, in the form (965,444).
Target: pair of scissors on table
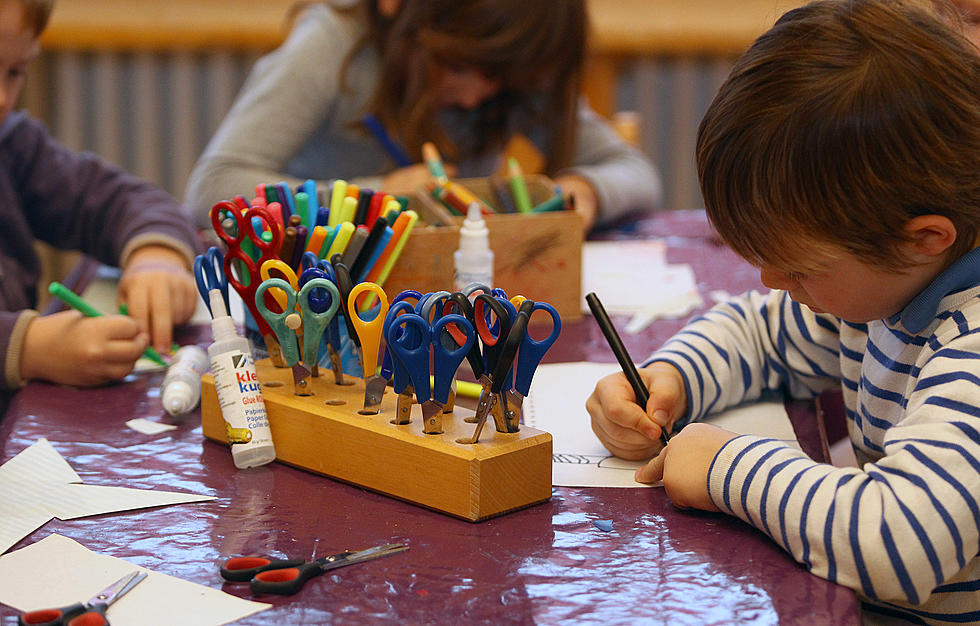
(369,333)
(89,613)
(411,339)
(299,334)
(209,274)
(286,577)
(238,258)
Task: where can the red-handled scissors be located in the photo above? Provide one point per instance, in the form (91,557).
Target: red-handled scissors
(89,613)
(238,258)
(288,577)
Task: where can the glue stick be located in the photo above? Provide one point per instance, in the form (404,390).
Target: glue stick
(239,391)
(474,259)
(181,388)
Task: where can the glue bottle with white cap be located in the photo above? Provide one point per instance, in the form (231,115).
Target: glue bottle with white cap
(239,391)
(181,388)
(473,259)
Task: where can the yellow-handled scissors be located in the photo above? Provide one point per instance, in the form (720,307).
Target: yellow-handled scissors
(369,332)
(277,268)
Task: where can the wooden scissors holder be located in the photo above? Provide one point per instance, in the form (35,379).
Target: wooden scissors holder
(326,434)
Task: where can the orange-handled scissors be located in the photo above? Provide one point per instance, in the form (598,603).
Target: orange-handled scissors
(237,258)
(89,613)
(369,332)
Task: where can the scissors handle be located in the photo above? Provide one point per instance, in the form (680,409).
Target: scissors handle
(445,361)
(316,321)
(51,617)
(368,331)
(209,274)
(345,285)
(533,350)
(409,338)
(460,303)
(277,321)
(508,352)
(393,367)
(245,568)
(285,581)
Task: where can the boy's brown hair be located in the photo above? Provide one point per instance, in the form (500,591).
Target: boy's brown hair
(841,123)
(36,14)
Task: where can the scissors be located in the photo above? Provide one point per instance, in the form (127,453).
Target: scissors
(307,326)
(209,274)
(492,336)
(529,356)
(494,400)
(286,577)
(369,333)
(282,270)
(394,369)
(269,249)
(89,613)
(412,347)
(345,285)
(320,303)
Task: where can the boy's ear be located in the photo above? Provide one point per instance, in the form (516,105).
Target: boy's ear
(931,235)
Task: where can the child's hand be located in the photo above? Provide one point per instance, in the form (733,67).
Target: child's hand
(159,291)
(411,178)
(622,426)
(683,465)
(583,197)
(74,350)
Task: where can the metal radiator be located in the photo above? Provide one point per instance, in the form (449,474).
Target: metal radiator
(153,112)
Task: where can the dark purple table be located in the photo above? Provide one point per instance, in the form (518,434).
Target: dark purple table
(547,564)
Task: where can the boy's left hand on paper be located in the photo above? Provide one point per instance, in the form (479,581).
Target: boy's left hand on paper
(684,463)
(159,291)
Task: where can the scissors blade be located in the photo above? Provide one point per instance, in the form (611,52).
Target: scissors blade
(117,589)
(301,380)
(483,409)
(403,408)
(350,558)
(374,391)
(432,417)
(336,365)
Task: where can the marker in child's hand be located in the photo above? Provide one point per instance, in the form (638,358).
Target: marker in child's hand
(72,299)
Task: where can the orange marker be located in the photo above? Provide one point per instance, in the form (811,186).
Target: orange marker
(317,238)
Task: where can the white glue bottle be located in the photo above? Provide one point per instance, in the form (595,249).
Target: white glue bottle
(473,259)
(181,388)
(239,391)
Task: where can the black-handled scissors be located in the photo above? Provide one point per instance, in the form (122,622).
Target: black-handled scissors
(88,613)
(288,579)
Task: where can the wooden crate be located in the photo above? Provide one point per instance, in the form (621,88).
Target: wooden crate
(538,255)
(325,433)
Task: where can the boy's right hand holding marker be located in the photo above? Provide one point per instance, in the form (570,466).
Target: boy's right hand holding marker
(632,433)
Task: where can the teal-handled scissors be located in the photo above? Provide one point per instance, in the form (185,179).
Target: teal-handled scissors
(89,613)
(238,260)
(414,354)
(529,356)
(288,324)
(289,580)
(209,274)
(320,302)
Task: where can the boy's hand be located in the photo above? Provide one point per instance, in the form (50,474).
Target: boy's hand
(71,349)
(622,426)
(159,291)
(580,191)
(683,465)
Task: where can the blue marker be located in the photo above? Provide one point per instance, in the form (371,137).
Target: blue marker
(309,186)
(373,124)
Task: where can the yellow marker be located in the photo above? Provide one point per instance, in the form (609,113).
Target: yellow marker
(337,201)
(348,209)
(389,206)
(340,241)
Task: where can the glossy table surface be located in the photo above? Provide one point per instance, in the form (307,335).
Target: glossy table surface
(546,564)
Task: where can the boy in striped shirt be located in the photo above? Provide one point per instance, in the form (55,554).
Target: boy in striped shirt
(841,157)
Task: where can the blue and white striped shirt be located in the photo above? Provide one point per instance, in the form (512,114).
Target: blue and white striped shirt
(903,529)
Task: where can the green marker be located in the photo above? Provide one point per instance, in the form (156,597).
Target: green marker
(518,187)
(72,299)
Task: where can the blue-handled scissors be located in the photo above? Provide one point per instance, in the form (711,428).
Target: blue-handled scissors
(209,273)
(529,356)
(320,302)
(394,369)
(307,326)
(239,260)
(412,348)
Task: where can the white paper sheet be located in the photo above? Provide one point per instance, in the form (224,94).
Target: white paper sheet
(39,484)
(556,404)
(149,427)
(58,571)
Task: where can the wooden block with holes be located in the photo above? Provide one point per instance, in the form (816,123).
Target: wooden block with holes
(325,433)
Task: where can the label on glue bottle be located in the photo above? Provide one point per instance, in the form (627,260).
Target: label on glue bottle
(240,399)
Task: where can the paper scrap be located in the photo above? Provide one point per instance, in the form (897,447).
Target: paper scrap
(148,427)
(556,404)
(57,571)
(39,484)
